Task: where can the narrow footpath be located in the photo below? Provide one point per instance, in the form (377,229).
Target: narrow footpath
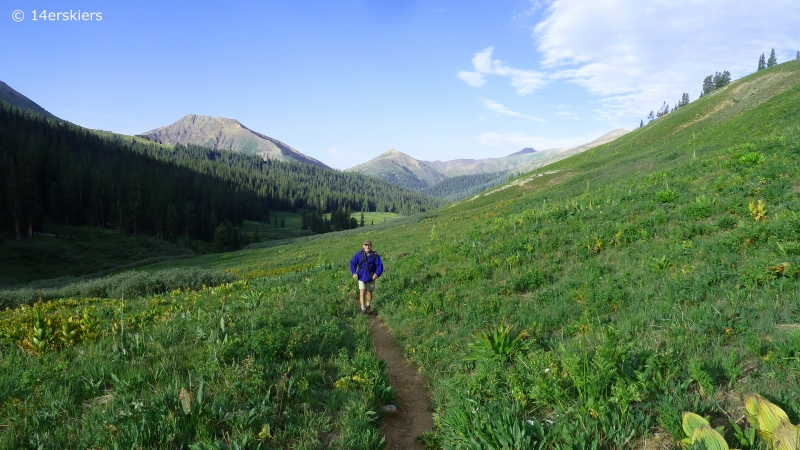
(414,415)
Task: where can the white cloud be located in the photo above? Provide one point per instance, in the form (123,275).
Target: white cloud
(516,141)
(473,79)
(636,55)
(500,109)
(526,81)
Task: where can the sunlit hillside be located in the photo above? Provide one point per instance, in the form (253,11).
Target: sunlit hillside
(587,304)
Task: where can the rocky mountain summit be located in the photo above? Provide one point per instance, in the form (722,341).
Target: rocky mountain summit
(226,134)
(524,151)
(401,169)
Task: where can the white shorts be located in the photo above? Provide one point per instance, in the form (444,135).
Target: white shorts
(366,286)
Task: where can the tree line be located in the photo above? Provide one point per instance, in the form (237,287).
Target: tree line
(65,174)
(340,219)
(710,84)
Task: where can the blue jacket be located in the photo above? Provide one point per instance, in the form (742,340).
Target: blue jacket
(365,265)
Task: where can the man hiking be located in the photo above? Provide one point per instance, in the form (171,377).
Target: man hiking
(366,266)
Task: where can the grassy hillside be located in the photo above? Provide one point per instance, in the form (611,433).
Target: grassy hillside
(78,251)
(582,306)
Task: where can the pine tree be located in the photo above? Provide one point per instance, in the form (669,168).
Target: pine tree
(683,101)
(762,63)
(663,111)
(362,218)
(641,124)
(190,217)
(772,59)
(221,238)
(283,223)
(721,80)
(171,231)
(798,55)
(708,85)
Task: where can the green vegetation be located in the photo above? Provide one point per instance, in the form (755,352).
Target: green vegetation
(240,365)
(463,186)
(406,180)
(717,81)
(766,419)
(58,173)
(78,251)
(132,283)
(376,218)
(589,305)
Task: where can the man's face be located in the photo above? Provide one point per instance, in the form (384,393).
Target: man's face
(367,247)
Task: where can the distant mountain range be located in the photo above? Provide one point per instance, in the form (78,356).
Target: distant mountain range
(399,168)
(14,98)
(457,167)
(226,134)
(393,166)
(558,155)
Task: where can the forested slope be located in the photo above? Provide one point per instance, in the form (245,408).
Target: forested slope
(462,186)
(70,175)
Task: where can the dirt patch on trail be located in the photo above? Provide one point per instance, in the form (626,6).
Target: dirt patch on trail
(413,415)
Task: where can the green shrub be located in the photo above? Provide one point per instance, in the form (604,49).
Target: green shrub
(666,195)
(491,428)
(129,284)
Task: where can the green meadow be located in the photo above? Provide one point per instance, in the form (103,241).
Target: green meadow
(585,305)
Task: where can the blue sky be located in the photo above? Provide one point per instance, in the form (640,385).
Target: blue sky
(343,81)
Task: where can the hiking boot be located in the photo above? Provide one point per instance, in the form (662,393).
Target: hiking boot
(364,312)
(369,310)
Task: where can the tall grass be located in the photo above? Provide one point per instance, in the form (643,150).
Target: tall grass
(637,278)
(130,284)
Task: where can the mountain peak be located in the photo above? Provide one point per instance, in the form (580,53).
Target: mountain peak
(392,153)
(225,134)
(399,168)
(524,151)
(196,118)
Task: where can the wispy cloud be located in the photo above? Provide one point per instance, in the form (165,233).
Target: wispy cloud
(500,109)
(474,79)
(561,110)
(634,56)
(525,81)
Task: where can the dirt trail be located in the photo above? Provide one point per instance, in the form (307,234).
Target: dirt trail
(413,415)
